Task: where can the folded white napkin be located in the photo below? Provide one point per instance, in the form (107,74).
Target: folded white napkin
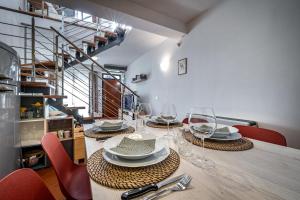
(129,146)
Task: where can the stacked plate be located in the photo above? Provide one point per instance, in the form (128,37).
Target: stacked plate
(109,126)
(226,133)
(135,150)
(159,120)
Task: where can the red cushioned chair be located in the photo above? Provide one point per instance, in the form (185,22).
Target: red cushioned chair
(195,120)
(24,184)
(262,134)
(73,179)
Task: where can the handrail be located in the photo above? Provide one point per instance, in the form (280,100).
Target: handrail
(75,22)
(73,68)
(87,56)
(72,57)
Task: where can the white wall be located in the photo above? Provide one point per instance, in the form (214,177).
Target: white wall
(243,59)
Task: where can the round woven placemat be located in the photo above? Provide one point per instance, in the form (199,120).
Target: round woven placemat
(235,145)
(118,177)
(92,134)
(155,125)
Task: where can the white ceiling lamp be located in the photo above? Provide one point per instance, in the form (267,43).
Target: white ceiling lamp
(165,64)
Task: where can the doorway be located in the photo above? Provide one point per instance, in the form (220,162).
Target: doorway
(111,96)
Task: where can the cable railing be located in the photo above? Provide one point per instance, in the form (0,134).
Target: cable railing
(108,106)
(43,49)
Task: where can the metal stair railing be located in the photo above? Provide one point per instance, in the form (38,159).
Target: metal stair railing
(44,44)
(108,107)
(93,61)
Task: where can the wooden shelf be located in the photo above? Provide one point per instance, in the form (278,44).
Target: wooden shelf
(33,120)
(30,143)
(59,117)
(138,80)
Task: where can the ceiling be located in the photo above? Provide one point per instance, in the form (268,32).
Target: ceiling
(182,10)
(136,43)
(152,20)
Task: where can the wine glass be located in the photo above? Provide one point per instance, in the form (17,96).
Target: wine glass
(168,114)
(202,124)
(144,111)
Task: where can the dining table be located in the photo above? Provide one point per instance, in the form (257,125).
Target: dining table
(267,171)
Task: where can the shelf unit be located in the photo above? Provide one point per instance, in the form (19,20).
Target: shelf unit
(32,130)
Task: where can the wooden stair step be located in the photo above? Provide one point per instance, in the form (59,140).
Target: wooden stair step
(100,39)
(37,76)
(110,34)
(71,47)
(65,55)
(48,64)
(37,69)
(36,84)
(89,43)
(55,96)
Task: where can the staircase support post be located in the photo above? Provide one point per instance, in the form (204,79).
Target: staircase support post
(56,64)
(33,47)
(25,44)
(93,91)
(62,73)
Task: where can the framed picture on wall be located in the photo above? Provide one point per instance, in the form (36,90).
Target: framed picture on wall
(182,66)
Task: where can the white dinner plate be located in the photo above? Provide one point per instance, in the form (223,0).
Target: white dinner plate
(230,128)
(153,119)
(150,160)
(230,137)
(98,129)
(114,141)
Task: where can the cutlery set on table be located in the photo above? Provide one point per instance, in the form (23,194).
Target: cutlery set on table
(180,183)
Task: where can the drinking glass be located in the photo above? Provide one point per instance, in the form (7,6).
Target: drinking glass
(183,146)
(144,111)
(168,114)
(202,124)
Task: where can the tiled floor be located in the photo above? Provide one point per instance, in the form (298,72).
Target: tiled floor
(49,177)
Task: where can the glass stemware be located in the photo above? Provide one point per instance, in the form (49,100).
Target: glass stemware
(168,114)
(202,124)
(144,111)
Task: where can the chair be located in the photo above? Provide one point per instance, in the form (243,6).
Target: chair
(24,184)
(262,134)
(195,120)
(73,179)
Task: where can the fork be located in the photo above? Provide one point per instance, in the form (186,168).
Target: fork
(180,186)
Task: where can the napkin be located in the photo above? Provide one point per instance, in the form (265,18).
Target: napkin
(109,124)
(224,130)
(129,146)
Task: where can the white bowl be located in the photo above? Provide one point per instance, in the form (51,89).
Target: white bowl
(114,141)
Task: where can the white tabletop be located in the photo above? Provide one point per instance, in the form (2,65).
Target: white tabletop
(267,171)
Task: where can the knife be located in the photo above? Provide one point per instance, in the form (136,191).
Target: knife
(152,187)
